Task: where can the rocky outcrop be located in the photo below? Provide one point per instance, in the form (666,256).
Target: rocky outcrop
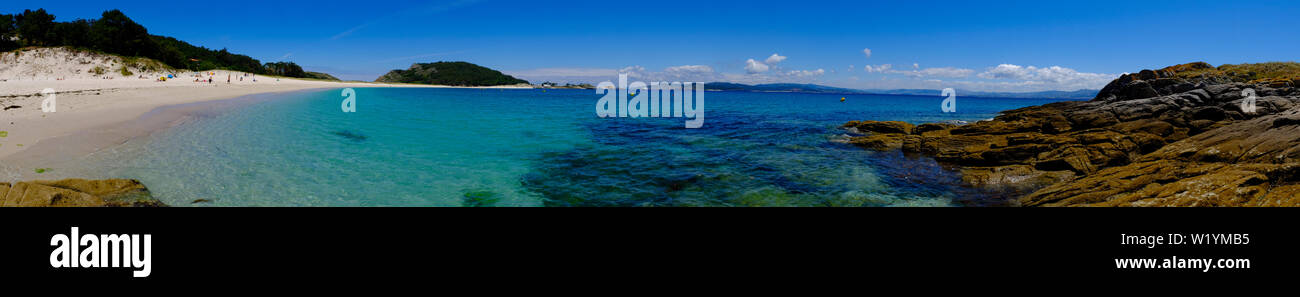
(1172,137)
(76,192)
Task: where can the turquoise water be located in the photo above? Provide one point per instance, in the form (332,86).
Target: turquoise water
(489,147)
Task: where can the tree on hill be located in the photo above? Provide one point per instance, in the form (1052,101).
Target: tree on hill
(8,32)
(75,33)
(289,69)
(115,33)
(37,27)
(451,74)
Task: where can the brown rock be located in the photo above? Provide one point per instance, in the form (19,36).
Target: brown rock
(933,127)
(1169,137)
(880,142)
(77,192)
(32,194)
(885,127)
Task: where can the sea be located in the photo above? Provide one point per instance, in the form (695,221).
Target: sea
(538,147)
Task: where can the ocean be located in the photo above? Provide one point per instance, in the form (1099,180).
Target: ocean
(516,147)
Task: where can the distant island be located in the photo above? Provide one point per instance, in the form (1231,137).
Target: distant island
(813,88)
(462,74)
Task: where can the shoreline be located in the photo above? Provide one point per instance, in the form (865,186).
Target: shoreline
(1184,135)
(89,104)
(68,153)
(95,114)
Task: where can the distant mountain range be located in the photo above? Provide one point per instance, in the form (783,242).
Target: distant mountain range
(813,88)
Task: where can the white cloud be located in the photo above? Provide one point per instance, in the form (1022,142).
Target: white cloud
(565,75)
(754,67)
(594,75)
(774,59)
(564,72)
(687,73)
(881,68)
(951,72)
(689,69)
(633,71)
(916,66)
(1049,76)
(1006,71)
(806,73)
(867,52)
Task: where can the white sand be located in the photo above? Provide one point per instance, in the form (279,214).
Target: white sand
(89,102)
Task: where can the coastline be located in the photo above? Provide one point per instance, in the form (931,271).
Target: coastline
(1184,135)
(93,114)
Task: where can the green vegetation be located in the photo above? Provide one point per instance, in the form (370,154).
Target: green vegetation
(451,74)
(115,33)
(480,198)
(124,71)
(284,69)
(321,75)
(1250,73)
(98,70)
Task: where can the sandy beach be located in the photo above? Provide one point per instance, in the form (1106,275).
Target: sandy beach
(92,105)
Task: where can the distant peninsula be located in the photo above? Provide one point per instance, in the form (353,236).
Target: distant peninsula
(462,74)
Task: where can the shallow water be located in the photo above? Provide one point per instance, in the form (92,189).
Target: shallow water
(489,147)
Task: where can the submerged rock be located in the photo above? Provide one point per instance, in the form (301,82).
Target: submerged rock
(480,198)
(349,135)
(77,192)
(1171,137)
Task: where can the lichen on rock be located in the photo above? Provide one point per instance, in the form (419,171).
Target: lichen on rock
(77,192)
(1170,137)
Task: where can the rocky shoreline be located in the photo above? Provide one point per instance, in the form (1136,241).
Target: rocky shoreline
(1177,136)
(77,193)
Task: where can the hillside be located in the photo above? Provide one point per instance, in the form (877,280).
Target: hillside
(55,63)
(450,74)
(115,33)
(320,75)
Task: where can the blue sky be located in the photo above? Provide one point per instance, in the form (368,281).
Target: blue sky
(976,45)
